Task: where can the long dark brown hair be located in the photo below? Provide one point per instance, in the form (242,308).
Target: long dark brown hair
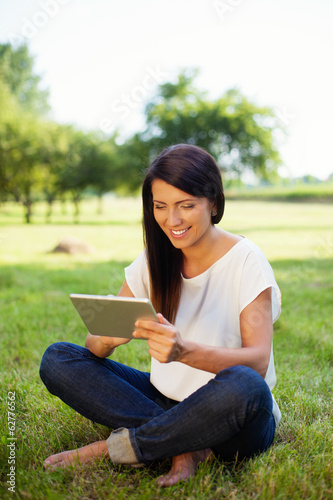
(194,171)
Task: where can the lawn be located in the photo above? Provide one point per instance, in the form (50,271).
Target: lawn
(35,310)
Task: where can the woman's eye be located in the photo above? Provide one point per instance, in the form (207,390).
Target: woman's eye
(187,206)
(158,207)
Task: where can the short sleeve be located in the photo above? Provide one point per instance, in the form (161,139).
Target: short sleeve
(137,276)
(257,275)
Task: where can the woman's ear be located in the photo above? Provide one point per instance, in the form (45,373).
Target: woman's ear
(214,208)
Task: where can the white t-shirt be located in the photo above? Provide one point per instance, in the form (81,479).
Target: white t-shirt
(209,312)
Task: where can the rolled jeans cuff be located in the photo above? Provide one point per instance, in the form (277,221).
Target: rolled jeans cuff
(120,448)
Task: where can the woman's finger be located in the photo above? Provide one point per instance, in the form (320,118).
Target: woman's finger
(141,333)
(154,327)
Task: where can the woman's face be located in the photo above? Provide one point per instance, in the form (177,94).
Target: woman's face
(185,219)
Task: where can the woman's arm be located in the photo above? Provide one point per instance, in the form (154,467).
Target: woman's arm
(256,332)
(166,344)
(104,346)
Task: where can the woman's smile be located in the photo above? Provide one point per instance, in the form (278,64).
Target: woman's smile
(178,233)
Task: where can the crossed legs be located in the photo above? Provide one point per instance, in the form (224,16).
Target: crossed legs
(231,414)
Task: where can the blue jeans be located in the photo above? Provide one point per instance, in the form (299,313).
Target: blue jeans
(232,414)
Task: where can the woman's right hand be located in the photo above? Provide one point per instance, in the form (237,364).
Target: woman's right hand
(103,346)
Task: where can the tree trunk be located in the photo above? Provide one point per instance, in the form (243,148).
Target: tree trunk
(76,201)
(49,210)
(28,211)
(63,205)
(99,204)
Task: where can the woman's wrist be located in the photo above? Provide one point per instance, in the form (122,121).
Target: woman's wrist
(98,347)
(187,351)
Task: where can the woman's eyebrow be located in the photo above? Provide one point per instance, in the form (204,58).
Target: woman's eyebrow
(177,202)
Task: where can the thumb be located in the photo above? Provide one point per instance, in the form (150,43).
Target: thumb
(162,319)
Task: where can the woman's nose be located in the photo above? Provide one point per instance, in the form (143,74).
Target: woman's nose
(174,218)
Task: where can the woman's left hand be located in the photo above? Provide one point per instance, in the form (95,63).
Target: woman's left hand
(164,340)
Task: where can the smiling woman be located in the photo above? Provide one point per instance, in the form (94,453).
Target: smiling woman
(191,212)
(212,369)
(192,180)
(187,222)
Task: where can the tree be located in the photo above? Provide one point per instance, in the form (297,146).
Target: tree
(24,170)
(16,71)
(99,167)
(8,110)
(132,160)
(20,169)
(21,130)
(238,133)
(54,151)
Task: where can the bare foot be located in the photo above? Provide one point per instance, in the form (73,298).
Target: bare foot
(183,467)
(81,455)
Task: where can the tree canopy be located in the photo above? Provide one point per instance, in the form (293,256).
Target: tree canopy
(41,159)
(16,71)
(239,134)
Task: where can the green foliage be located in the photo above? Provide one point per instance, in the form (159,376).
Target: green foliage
(42,159)
(16,71)
(317,192)
(133,158)
(20,153)
(239,134)
(8,108)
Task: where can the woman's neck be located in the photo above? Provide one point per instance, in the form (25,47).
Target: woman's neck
(197,259)
(201,256)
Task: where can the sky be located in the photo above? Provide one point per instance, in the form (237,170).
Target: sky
(103,59)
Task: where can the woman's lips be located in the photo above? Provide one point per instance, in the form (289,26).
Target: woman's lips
(179,233)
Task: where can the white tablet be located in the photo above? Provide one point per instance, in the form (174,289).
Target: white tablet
(110,315)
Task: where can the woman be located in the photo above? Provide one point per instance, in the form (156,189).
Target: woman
(212,368)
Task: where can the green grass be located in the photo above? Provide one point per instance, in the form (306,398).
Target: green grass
(35,311)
